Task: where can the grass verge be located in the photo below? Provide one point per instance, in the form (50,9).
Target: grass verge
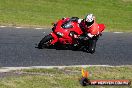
(116,14)
(64,78)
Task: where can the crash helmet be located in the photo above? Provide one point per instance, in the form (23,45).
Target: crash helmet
(89,20)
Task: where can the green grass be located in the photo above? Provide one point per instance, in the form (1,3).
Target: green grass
(65,78)
(116,14)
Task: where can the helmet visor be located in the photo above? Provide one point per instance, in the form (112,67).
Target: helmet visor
(89,23)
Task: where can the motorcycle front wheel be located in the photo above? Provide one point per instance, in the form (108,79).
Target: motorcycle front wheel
(45,42)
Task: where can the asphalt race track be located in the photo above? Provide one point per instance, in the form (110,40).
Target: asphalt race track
(17,48)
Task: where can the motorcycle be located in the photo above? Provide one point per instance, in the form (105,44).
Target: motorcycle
(63,34)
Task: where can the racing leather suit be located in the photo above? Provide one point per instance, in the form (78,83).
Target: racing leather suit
(90,33)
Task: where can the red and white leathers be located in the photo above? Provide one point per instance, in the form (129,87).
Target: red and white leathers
(88,31)
(92,30)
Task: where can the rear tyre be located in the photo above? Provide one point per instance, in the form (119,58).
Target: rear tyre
(45,42)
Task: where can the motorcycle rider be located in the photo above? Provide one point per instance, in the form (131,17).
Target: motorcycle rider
(90,31)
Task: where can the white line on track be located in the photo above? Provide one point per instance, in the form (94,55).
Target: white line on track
(19,27)
(2,26)
(38,28)
(7,69)
(118,32)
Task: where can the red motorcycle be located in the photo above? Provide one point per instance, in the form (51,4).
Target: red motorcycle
(63,34)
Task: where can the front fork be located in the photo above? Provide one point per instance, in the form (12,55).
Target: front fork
(55,38)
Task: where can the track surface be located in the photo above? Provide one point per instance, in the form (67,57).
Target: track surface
(17,48)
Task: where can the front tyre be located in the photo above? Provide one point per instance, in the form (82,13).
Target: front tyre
(45,42)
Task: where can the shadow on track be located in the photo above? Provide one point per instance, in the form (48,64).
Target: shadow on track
(64,47)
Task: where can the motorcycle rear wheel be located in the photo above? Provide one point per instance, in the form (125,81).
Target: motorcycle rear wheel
(45,42)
